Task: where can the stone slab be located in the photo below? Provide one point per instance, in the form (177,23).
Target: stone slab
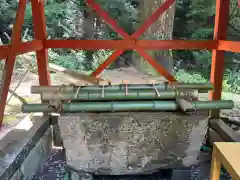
(23,149)
(132,143)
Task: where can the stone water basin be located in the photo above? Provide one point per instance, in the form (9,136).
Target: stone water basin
(132,142)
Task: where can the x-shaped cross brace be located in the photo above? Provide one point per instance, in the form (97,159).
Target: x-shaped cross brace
(96,7)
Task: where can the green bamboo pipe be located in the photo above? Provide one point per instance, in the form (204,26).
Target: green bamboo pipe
(115,95)
(126,106)
(165,86)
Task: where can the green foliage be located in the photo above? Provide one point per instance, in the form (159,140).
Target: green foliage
(71,61)
(66,20)
(233,81)
(186,77)
(124,13)
(7,17)
(197,18)
(194,19)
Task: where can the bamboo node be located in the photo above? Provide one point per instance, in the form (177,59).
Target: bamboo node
(126,82)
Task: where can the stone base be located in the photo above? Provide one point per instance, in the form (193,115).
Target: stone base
(132,143)
(76,175)
(24,151)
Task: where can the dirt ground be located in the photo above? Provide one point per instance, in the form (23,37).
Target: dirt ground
(13,113)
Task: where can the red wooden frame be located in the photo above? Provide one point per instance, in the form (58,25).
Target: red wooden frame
(132,44)
(219,45)
(40,30)
(10,61)
(220,33)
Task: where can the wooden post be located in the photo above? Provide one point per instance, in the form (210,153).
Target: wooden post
(39,26)
(10,61)
(220,33)
(226,155)
(215,165)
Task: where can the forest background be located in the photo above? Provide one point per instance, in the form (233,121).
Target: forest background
(187,19)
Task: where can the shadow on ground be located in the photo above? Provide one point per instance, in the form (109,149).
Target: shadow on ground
(56,168)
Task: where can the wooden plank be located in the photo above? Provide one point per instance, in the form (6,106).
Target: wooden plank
(231,46)
(176,44)
(73,76)
(215,165)
(39,26)
(224,130)
(228,154)
(23,48)
(92,44)
(131,44)
(10,61)
(220,33)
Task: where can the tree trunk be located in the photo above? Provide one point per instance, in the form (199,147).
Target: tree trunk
(161,29)
(88,34)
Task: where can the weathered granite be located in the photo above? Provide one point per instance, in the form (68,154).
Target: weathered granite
(79,175)
(23,151)
(131,143)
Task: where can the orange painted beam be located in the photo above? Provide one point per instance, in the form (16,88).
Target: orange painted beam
(131,44)
(4,51)
(39,26)
(91,44)
(10,61)
(231,46)
(176,44)
(23,48)
(107,63)
(220,33)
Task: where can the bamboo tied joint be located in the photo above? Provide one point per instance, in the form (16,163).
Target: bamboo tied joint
(124,97)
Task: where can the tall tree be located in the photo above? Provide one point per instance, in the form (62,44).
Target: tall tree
(161,29)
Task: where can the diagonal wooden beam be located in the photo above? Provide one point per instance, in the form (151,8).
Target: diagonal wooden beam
(137,34)
(107,62)
(156,65)
(10,61)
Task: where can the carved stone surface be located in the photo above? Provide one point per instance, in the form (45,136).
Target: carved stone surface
(131,143)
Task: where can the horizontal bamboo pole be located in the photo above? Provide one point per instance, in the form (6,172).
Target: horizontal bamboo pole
(116,95)
(126,106)
(198,86)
